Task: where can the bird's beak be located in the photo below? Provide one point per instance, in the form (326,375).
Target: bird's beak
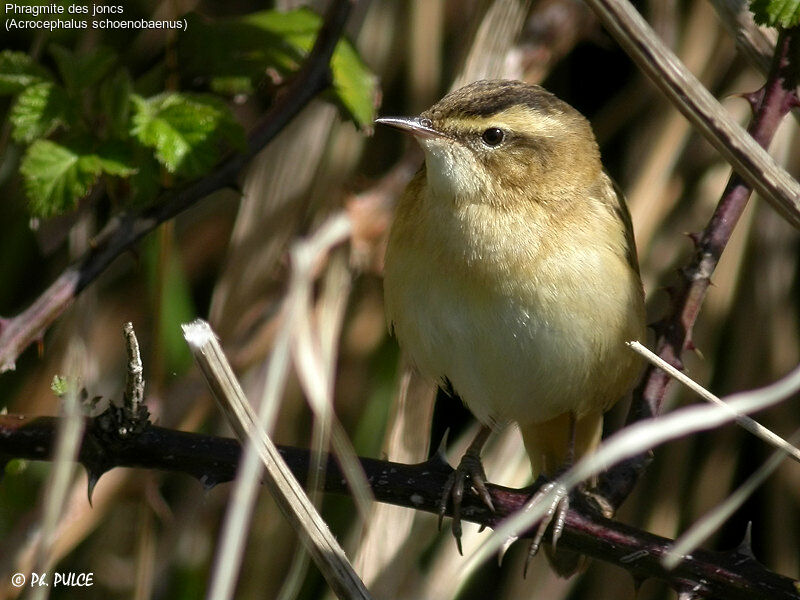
(420,128)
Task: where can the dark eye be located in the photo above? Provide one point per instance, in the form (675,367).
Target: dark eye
(493,136)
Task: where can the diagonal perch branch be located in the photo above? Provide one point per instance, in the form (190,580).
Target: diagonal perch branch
(750,160)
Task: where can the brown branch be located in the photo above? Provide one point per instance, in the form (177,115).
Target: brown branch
(774,101)
(674,332)
(689,96)
(730,575)
(124,231)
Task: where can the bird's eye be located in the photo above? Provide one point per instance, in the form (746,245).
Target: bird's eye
(493,136)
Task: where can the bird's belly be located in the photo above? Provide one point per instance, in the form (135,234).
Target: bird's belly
(518,355)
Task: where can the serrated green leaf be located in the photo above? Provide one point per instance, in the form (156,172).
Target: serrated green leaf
(39,109)
(56,177)
(144,184)
(354,85)
(184,130)
(270,40)
(776,13)
(80,71)
(116,158)
(18,71)
(115,102)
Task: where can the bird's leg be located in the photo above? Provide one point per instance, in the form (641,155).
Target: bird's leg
(470,466)
(557,511)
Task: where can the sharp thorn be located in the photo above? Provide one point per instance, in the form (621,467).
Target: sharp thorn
(746,545)
(695,237)
(439,456)
(441,450)
(93,478)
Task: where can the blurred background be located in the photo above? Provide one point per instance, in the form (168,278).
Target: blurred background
(153,535)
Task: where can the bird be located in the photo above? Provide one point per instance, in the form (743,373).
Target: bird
(511,274)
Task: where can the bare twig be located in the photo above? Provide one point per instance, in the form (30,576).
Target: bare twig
(751,425)
(124,231)
(750,160)
(285,489)
(134,383)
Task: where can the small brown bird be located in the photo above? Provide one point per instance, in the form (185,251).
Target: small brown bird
(511,271)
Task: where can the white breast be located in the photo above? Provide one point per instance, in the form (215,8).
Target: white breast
(520,337)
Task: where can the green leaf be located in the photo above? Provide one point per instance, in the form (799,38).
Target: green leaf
(18,71)
(184,130)
(252,45)
(57,176)
(80,71)
(116,158)
(115,102)
(39,109)
(144,184)
(354,85)
(776,13)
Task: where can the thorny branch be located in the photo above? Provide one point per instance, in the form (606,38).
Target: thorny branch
(674,332)
(730,575)
(697,104)
(122,232)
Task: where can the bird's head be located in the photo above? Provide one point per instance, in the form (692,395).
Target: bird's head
(498,141)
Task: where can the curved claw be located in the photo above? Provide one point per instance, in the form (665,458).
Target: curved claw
(504,548)
(470,466)
(560,519)
(556,514)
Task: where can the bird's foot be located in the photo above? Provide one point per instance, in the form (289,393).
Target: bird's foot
(557,509)
(470,468)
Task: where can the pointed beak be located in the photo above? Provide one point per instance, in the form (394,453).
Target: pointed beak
(420,128)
